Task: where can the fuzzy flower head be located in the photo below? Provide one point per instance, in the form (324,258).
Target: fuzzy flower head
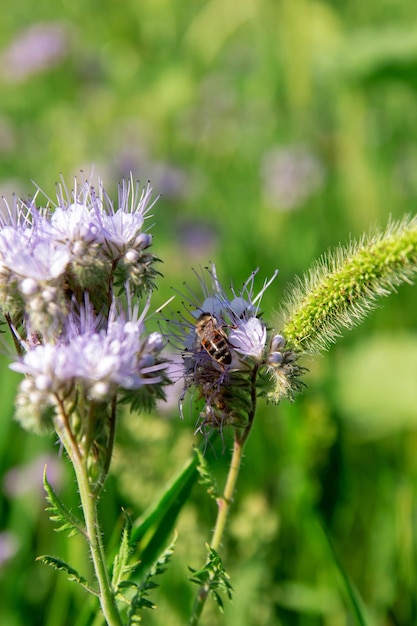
(81,242)
(222,339)
(236,318)
(95,360)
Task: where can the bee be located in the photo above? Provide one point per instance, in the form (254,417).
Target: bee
(213,339)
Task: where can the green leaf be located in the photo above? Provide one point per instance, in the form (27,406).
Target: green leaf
(213,577)
(351,593)
(60,514)
(120,563)
(140,600)
(72,574)
(152,531)
(206,477)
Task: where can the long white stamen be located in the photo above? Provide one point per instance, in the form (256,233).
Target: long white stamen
(265,287)
(159,309)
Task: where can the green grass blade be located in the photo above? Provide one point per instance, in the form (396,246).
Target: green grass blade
(154,528)
(352,595)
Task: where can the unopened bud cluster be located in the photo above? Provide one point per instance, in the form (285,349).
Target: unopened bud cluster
(283,369)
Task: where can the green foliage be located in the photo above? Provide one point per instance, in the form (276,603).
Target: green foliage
(143,399)
(72,574)
(213,578)
(206,476)
(60,514)
(124,571)
(351,593)
(204,99)
(121,560)
(140,599)
(152,530)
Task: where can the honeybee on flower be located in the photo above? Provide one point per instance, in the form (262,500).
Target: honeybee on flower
(225,351)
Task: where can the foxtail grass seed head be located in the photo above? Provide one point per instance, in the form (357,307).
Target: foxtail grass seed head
(345,285)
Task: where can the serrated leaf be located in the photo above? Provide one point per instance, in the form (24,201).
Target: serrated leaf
(206,477)
(120,563)
(72,574)
(60,513)
(140,600)
(152,585)
(213,577)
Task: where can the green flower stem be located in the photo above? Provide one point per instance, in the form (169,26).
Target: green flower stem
(89,502)
(224,504)
(89,506)
(341,289)
(225,501)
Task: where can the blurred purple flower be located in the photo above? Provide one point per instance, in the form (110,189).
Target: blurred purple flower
(9,545)
(198,240)
(171,181)
(35,49)
(23,479)
(290,176)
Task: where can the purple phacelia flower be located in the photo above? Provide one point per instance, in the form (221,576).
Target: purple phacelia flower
(222,340)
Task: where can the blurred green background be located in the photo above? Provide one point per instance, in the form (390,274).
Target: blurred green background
(274,129)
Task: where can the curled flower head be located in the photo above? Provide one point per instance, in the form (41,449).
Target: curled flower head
(81,242)
(222,340)
(115,354)
(47,378)
(95,359)
(75,223)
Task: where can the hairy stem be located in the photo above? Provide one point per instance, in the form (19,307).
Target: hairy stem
(224,503)
(89,501)
(89,506)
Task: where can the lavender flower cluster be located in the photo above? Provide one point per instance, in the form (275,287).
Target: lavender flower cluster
(59,265)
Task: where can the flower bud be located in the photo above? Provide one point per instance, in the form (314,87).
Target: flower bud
(277,343)
(275,358)
(29,287)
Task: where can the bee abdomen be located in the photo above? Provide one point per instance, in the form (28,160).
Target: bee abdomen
(218,350)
